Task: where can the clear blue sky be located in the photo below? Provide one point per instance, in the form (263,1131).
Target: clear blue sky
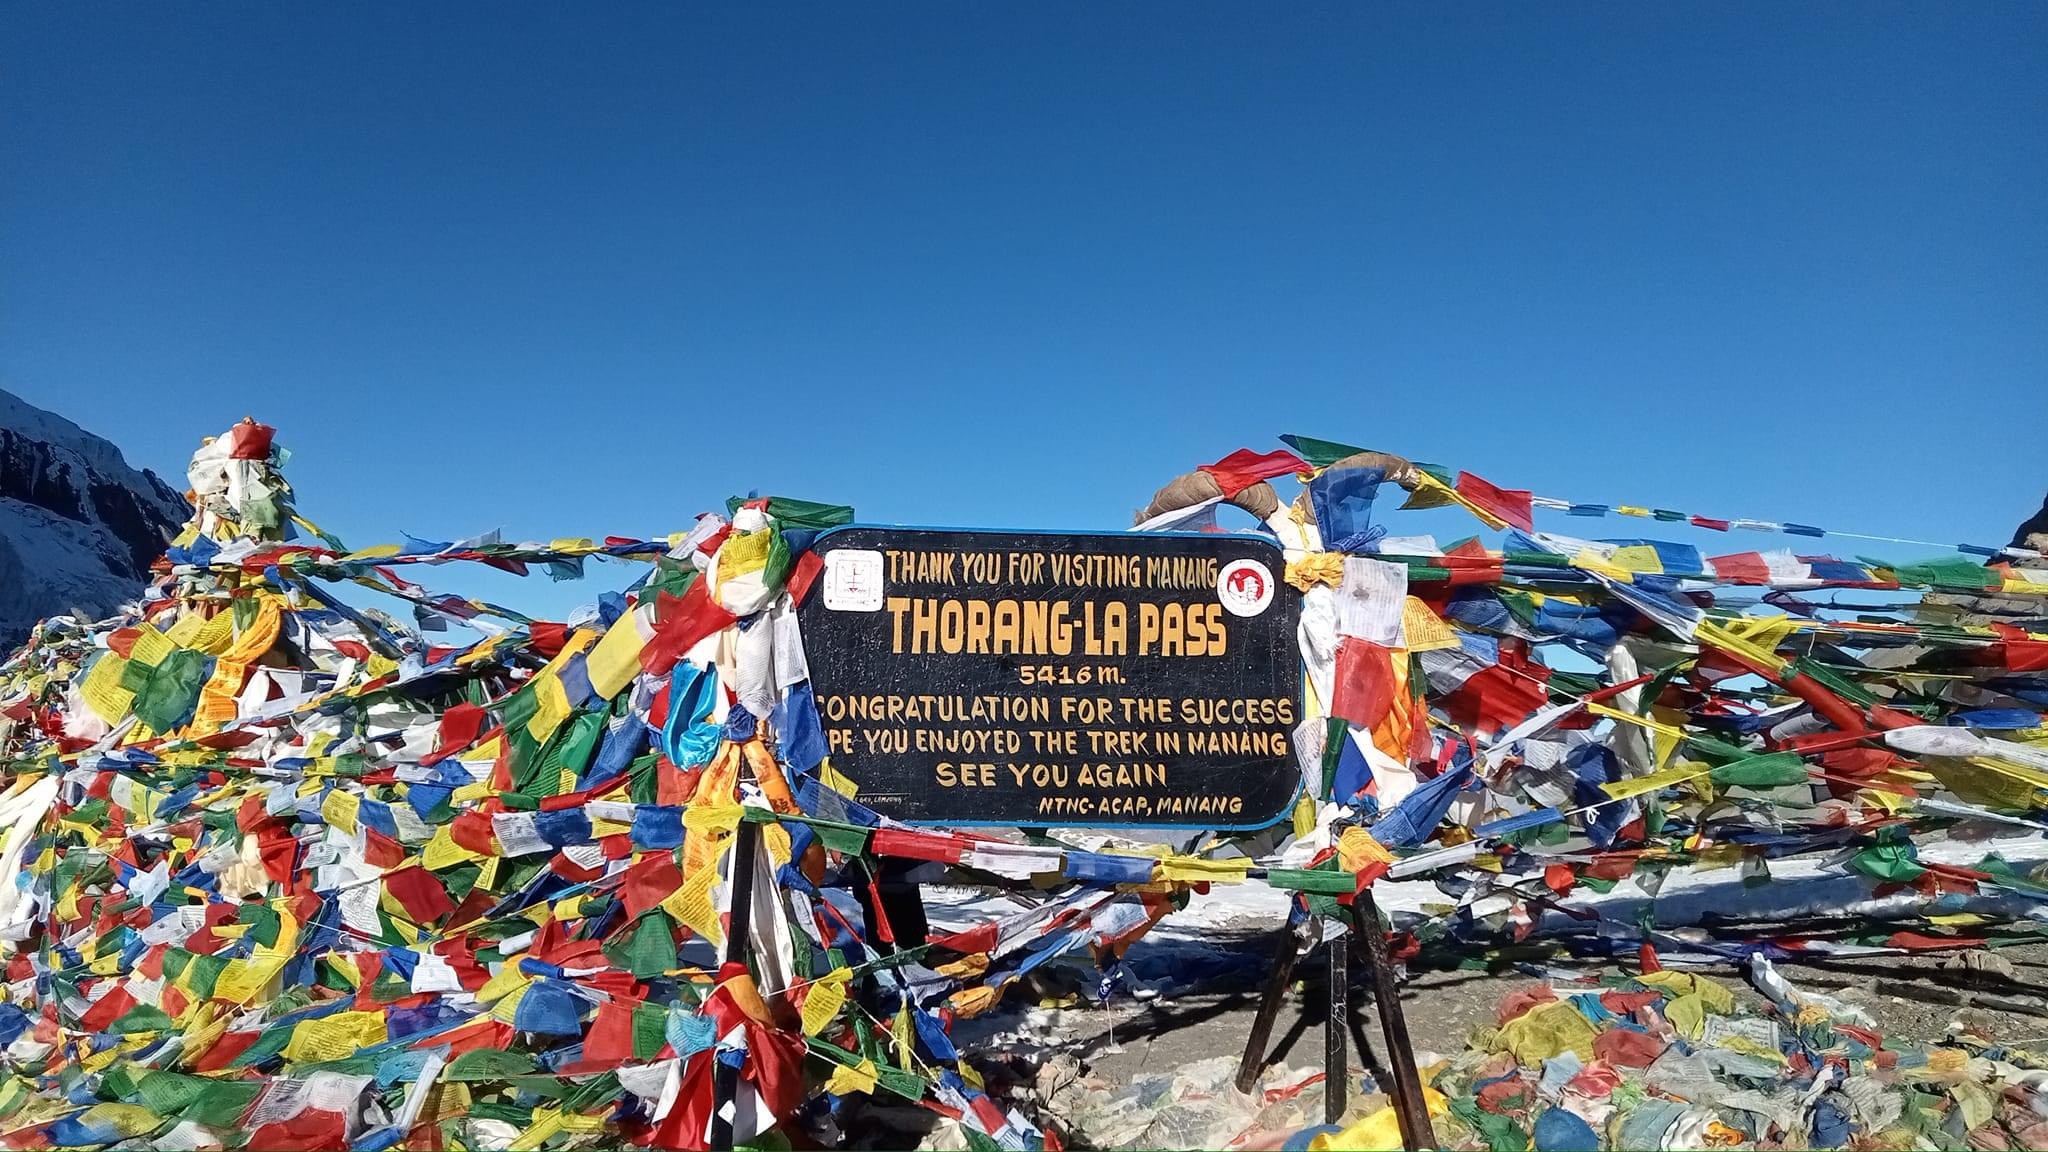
(571,270)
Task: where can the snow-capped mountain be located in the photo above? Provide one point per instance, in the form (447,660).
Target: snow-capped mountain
(78,526)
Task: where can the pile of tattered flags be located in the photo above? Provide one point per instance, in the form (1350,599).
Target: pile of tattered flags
(296,872)
(1675,1060)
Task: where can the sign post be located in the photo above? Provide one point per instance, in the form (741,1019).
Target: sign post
(1127,680)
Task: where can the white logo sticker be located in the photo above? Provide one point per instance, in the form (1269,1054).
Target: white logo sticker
(853,580)
(1245,587)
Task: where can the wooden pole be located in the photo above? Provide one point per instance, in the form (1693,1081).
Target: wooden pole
(725,1079)
(1254,1060)
(1409,1104)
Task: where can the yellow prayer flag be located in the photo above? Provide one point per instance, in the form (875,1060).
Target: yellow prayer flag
(151,646)
(1678,773)
(1194,869)
(443,852)
(712,817)
(553,701)
(826,997)
(900,1033)
(1589,560)
(336,1037)
(775,838)
(691,905)
(1424,629)
(616,660)
(1357,850)
(847,1081)
(340,809)
(509,979)
(187,628)
(1714,635)
(836,780)
(1637,558)
(547,1124)
(742,553)
(101,689)
(1643,722)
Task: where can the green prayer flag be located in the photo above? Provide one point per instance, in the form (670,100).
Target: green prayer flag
(116,1084)
(844,839)
(1335,732)
(650,1030)
(1312,880)
(269,1043)
(519,708)
(489,1064)
(144,1018)
(173,691)
(574,744)
(908,1085)
(1959,572)
(1501,1133)
(202,973)
(169,1093)
(792,513)
(264,923)
(1321,453)
(648,948)
(1892,859)
(222,1102)
(1771,770)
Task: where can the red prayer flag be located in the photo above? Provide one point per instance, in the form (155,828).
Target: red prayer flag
(1493,700)
(1741,568)
(774,1066)
(381,850)
(472,830)
(1365,682)
(224,1050)
(803,575)
(1514,505)
(548,637)
(420,893)
(977,939)
(1559,878)
(106,1010)
(610,1040)
(649,882)
(250,441)
(679,623)
(1244,468)
(917,845)
(460,726)
(2026,655)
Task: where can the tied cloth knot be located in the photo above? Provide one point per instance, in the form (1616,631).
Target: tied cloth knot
(1316,568)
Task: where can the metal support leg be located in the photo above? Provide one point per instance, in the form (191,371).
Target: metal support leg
(725,1081)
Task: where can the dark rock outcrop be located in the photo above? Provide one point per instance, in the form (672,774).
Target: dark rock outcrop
(78,526)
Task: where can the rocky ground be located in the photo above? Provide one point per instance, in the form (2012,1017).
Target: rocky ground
(1156,1072)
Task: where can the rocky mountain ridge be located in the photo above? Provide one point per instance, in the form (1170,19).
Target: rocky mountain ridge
(78,525)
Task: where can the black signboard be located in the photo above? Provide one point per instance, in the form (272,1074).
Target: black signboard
(1128,679)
